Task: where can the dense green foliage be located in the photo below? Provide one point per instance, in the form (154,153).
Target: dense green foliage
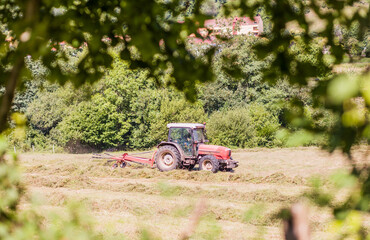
(293,55)
(126,109)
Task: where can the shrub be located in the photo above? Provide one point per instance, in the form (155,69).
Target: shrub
(98,124)
(250,126)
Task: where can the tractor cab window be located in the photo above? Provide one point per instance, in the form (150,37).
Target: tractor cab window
(199,135)
(182,136)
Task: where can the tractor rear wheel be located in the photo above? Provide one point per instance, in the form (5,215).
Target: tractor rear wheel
(209,163)
(167,158)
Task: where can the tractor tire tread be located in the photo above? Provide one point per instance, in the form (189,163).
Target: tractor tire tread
(175,154)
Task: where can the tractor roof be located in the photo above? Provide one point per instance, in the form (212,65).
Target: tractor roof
(185,125)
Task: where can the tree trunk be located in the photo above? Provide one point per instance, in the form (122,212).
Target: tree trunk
(7,98)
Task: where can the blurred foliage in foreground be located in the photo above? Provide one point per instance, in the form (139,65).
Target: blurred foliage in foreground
(16,223)
(153,39)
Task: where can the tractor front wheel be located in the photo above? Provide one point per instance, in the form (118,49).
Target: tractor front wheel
(167,158)
(209,163)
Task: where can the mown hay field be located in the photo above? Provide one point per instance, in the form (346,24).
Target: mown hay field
(239,205)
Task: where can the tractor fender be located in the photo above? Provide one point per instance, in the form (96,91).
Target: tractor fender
(177,146)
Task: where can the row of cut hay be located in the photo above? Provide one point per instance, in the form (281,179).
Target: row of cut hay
(162,189)
(96,170)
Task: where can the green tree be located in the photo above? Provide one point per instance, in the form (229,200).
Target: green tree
(229,90)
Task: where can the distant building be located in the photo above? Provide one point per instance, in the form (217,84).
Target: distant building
(228,27)
(235,26)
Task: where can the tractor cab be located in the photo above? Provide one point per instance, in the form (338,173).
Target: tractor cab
(188,136)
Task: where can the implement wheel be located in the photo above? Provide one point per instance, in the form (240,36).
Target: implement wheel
(209,163)
(167,158)
(123,164)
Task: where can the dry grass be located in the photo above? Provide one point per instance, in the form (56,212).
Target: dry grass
(126,201)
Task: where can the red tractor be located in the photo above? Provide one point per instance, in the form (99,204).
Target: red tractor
(185,148)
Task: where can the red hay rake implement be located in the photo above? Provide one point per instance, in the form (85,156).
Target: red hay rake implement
(125,159)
